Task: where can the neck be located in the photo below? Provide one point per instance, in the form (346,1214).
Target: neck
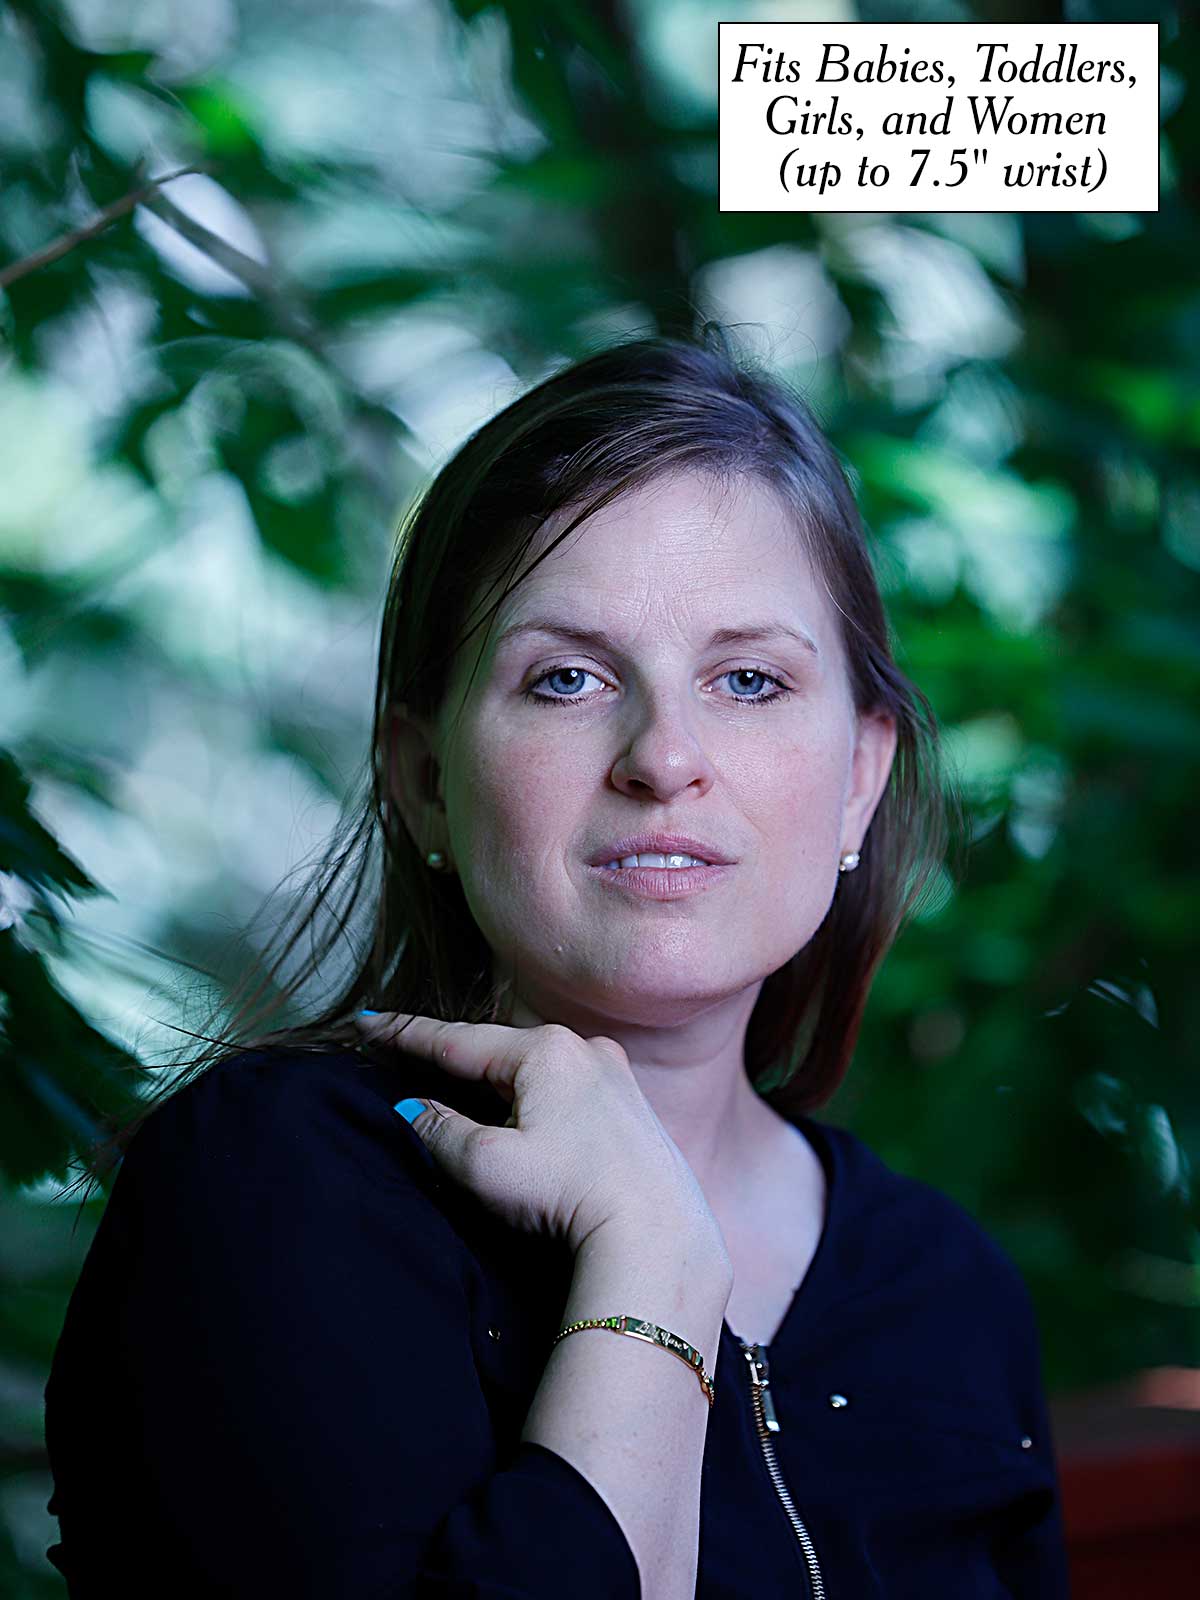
(693,1075)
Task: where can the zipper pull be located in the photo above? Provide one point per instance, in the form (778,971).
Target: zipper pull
(760,1377)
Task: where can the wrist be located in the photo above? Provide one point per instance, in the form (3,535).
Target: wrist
(668,1248)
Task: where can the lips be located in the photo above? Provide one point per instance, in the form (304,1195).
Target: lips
(664,843)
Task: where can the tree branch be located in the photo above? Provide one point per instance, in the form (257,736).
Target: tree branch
(256,277)
(110,214)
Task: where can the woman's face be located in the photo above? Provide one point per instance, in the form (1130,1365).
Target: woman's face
(562,748)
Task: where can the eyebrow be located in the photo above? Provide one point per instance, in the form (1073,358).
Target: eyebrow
(748,634)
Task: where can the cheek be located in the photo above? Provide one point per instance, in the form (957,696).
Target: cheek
(802,789)
(518,805)
(791,892)
(520,797)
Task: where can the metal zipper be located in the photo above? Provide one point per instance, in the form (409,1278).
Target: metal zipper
(768,1423)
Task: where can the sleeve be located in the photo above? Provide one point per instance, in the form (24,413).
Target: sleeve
(298,1328)
(1030,1556)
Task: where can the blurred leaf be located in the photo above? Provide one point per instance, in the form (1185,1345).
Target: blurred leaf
(28,850)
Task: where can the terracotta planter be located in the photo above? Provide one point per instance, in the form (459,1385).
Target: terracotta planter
(1129,1461)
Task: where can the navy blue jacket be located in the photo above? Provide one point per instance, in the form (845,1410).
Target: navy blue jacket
(298,1359)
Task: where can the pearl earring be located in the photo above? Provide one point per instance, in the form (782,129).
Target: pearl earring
(849,861)
(436,860)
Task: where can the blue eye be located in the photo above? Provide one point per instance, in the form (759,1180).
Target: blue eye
(781,689)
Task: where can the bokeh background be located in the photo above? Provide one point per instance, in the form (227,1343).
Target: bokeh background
(219,393)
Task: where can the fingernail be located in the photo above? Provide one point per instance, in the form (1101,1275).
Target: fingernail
(409,1109)
(367,1013)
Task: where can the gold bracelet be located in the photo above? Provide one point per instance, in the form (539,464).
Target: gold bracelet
(636,1328)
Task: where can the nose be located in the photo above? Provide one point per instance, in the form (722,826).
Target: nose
(664,757)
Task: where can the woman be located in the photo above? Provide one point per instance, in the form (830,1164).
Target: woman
(654,801)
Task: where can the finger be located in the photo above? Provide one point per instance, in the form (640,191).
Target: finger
(421,1114)
(382,1027)
(458,1144)
(487,1051)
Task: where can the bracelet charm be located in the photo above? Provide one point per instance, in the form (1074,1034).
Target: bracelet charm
(651,1333)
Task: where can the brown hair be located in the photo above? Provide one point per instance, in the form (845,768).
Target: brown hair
(619,418)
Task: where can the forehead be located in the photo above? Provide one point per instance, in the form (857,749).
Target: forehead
(683,544)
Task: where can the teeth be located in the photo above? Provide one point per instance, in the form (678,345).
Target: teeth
(655,859)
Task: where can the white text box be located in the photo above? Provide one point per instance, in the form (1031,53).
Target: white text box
(825,116)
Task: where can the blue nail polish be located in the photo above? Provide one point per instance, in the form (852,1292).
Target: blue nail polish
(366,1012)
(409,1109)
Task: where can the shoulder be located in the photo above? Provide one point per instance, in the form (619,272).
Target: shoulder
(282,1115)
(272,1175)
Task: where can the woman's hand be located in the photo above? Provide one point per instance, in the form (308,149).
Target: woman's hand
(582,1147)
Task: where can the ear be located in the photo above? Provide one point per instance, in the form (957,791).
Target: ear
(871,766)
(415,778)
